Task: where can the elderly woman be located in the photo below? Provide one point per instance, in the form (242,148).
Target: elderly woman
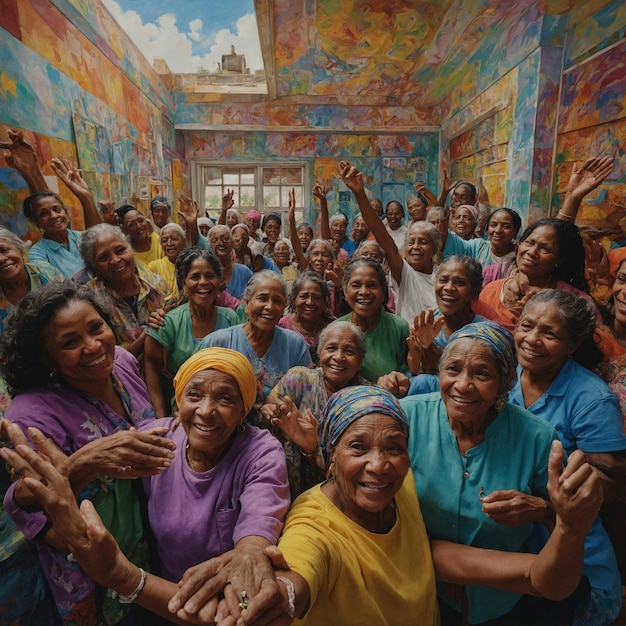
(271,350)
(309,299)
(361,532)
(492,460)
(550,255)
(464,221)
(130,289)
(173,241)
(412,270)
(145,244)
(17,277)
(301,395)
(236,276)
(233,217)
(270,226)
(394,214)
(366,292)
(305,235)
(338,224)
(199,275)
(282,256)
(360,230)
(555,346)
(71,381)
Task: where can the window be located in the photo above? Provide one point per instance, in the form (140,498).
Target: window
(262,186)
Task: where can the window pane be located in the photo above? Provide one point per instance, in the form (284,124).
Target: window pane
(291,176)
(212,197)
(212,176)
(271,175)
(231,177)
(247,176)
(271,197)
(247,197)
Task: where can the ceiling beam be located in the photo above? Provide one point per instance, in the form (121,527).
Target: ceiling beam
(264,10)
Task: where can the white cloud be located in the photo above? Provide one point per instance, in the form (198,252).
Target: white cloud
(163,40)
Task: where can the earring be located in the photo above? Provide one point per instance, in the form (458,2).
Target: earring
(499,404)
(53,374)
(242,427)
(330,474)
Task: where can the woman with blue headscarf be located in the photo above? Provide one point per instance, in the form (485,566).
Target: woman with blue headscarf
(467,442)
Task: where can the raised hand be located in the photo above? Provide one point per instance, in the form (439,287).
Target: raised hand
(426,192)
(301,429)
(22,155)
(227,199)
(351,176)
(320,191)
(426,328)
(586,178)
(448,183)
(187,211)
(70,176)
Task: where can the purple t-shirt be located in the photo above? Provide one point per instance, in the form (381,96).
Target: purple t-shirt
(198,515)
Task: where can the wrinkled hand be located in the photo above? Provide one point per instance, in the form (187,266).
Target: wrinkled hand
(516,291)
(513,508)
(22,155)
(585,179)
(156,318)
(130,454)
(396,383)
(426,192)
(426,328)
(301,429)
(227,199)
(70,176)
(187,211)
(107,208)
(351,176)
(248,568)
(335,273)
(320,191)
(481,191)
(448,183)
(575,491)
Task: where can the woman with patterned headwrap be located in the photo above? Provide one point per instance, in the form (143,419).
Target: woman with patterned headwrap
(491,458)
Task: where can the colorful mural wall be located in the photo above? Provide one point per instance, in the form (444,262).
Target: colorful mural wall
(78,88)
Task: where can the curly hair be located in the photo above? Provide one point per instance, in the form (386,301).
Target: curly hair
(308,277)
(571,269)
(473,268)
(29,208)
(376,266)
(89,238)
(25,331)
(186,259)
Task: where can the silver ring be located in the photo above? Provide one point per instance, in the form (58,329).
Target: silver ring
(125,468)
(244,601)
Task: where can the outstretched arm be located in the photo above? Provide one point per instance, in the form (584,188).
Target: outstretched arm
(353,179)
(583,181)
(188,218)
(448,186)
(227,203)
(320,191)
(555,572)
(23,158)
(293,232)
(73,179)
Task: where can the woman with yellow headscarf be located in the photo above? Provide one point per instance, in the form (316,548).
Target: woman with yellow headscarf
(228,481)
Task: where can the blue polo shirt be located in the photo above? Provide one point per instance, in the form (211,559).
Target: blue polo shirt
(66,260)
(479,249)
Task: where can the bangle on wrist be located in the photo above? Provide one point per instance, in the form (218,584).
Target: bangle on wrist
(291,595)
(129,599)
(311,456)
(566,217)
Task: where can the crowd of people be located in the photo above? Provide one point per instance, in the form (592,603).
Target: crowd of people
(408,417)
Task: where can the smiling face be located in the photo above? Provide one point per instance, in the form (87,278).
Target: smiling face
(619,294)
(282,254)
(371,461)
(11,263)
(469,381)
(377,205)
(221,241)
(240,237)
(339,359)
(320,258)
(364,293)
(453,289)
(172,243)
(211,408)
(51,216)
(371,250)
(113,260)
(304,236)
(462,194)
(231,219)
(542,340)
(272,231)
(416,209)
(135,225)
(359,230)
(394,215)
(160,215)
(266,305)
(419,250)
(539,254)
(309,304)
(252,223)
(79,345)
(501,231)
(338,230)
(463,223)
(202,284)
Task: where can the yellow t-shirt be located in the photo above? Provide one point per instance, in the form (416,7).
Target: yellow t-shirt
(167,271)
(155,252)
(357,577)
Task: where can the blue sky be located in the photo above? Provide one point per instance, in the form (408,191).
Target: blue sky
(190,34)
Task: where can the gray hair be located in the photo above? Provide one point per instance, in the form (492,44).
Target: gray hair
(240,225)
(235,213)
(174,226)
(318,242)
(261,277)
(338,326)
(14,240)
(336,218)
(430,230)
(219,228)
(441,211)
(473,267)
(90,237)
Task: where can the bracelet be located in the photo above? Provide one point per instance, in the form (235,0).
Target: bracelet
(291,595)
(311,456)
(129,599)
(565,217)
